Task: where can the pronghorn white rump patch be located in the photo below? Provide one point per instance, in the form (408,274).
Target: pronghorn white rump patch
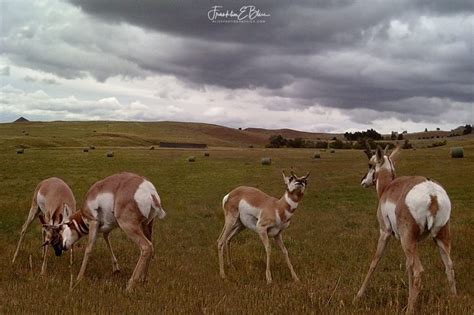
(293,205)
(248,215)
(144,198)
(418,201)
(388,214)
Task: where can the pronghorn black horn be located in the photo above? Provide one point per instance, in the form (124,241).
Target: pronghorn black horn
(307,175)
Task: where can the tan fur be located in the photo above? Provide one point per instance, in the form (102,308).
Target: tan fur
(128,217)
(59,203)
(395,190)
(267,208)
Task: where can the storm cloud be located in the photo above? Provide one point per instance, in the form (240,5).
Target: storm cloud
(407,60)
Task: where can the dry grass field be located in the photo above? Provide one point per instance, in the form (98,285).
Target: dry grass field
(331,239)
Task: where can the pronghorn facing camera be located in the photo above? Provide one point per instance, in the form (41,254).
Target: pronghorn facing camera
(247,207)
(410,208)
(53,202)
(125,200)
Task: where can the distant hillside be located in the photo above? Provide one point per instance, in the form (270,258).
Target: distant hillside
(140,134)
(291,134)
(107,133)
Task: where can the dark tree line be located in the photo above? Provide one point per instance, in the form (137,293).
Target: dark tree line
(358,135)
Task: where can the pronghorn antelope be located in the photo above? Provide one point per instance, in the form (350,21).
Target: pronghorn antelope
(125,200)
(410,208)
(247,207)
(53,202)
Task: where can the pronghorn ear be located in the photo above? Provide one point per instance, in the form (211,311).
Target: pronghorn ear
(379,155)
(395,154)
(285,178)
(66,214)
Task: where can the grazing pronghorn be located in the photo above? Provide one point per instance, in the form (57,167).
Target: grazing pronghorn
(248,207)
(410,208)
(125,200)
(53,202)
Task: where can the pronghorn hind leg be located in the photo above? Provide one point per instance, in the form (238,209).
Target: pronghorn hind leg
(279,241)
(31,216)
(236,229)
(115,265)
(221,242)
(148,231)
(135,232)
(45,254)
(444,245)
(414,267)
(383,238)
(93,229)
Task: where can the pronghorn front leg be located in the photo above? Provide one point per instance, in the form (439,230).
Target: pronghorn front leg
(115,265)
(262,232)
(279,241)
(45,254)
(383,238)
(31,216)
(93,229)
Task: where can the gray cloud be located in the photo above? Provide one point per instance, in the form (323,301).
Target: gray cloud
(411,60)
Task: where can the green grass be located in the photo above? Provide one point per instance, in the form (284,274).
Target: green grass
(331,240)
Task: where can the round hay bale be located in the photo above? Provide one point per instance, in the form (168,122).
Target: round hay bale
(20,151)
(266,161)
(110,154)
(206,154)
(250,146)
(316,156)
(85,150)
(457,152)
(92,147)
(152,148)
(332,151)
(192,159)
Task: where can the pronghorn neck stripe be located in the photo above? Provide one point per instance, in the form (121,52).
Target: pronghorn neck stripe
(80,227)
(293,205)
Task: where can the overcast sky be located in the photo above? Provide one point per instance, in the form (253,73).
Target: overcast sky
(315,65)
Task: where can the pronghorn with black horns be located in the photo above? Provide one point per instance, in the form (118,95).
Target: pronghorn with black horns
(126,200)
(248,207)
(410,208)
(53,202)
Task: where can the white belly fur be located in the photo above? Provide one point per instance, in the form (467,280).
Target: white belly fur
(248,215)
(106,217)
(418,202)
(388,215)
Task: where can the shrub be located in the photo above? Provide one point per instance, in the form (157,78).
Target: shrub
(332,151)
(437,144)
(110,154)
(206,154)
(192,159)
(316,156)
(85,150)
(20,151)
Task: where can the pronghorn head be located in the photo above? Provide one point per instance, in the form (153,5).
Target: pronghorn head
(53,237)
(378,162)
(295,184)
(52,231)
